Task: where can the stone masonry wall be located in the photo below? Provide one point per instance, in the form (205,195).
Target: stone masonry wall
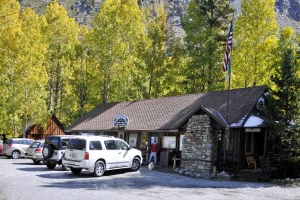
(198,146)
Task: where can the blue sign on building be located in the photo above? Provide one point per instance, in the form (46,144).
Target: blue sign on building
(121,121)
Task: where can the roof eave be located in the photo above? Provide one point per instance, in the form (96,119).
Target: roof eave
(124,130)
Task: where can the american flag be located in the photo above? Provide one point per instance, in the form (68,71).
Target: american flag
(226,62)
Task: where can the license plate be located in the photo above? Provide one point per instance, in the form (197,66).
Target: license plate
(73,155)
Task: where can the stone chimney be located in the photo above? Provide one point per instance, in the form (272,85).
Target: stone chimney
(199,145)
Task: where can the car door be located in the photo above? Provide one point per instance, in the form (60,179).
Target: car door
(123,153)
(111,154)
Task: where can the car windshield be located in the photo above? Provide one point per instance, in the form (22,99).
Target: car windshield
(77,144)
(35,145)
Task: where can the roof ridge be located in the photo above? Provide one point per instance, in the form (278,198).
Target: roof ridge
(190,94)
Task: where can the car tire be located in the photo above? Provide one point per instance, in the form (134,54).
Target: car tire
(136,164)
(36,161)
(99,168)
(51,165)
(76,170)
(15,154)
(47,151)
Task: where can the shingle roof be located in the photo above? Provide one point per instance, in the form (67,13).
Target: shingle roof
(169,113)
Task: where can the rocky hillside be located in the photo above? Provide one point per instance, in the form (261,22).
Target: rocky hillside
(288,11)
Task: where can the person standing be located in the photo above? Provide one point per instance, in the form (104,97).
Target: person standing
(154,150)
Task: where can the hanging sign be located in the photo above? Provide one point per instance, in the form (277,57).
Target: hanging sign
(121,121)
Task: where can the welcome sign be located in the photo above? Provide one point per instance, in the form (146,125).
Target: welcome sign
(121,121)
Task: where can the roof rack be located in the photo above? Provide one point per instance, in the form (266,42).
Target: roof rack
(110,136)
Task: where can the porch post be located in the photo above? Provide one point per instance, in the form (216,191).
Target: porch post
(266,143)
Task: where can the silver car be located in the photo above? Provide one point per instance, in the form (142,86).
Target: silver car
(34,151)
(16,147)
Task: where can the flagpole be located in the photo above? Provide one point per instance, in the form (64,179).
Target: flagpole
(227,68)
(227,124)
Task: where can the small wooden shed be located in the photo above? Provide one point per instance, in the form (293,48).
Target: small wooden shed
(54,127)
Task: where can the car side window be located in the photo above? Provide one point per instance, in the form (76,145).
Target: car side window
(54,141)
(110,144)
(121,145)
(64,142)
(95,145)
(9,141)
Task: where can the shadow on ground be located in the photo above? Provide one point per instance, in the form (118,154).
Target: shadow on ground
(122,179)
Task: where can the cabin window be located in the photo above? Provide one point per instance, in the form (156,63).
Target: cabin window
(121,135)
(133,139)
(169,142)
(249,143)
(144,140)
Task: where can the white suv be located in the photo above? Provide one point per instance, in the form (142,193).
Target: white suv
(98,154)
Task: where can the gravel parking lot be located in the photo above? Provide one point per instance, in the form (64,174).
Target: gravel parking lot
(22,180)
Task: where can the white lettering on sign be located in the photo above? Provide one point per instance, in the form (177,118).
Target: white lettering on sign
(121,121)
(252,130)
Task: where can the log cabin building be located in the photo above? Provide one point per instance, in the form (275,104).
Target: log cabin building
(221,130)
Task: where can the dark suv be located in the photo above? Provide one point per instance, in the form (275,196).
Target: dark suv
(54,149)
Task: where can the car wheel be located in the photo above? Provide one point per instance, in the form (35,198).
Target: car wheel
(51,165)
(99,168)
(36,161)
(15,154)
(136,164)
(76,170)
(47,151)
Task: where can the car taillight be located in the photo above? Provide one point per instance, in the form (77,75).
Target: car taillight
(38,149)
(10,144)
(86,155)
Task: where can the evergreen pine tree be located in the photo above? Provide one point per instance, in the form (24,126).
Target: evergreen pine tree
(286,105)
(288,84)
